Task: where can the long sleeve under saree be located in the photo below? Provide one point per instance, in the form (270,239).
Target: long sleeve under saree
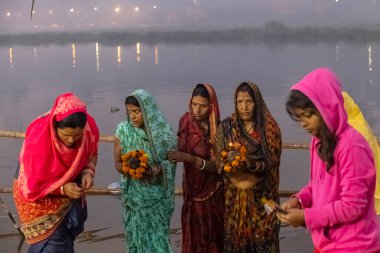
(148,206)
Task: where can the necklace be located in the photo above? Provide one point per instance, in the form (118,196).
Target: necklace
(249,130)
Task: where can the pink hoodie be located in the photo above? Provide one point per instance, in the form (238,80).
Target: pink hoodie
(339,205)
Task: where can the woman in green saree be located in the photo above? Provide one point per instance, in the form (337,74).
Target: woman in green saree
(147,181)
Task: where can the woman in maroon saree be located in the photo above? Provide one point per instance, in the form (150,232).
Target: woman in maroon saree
(203,207)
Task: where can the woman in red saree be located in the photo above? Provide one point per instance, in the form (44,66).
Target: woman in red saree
(203,197)
(56,164)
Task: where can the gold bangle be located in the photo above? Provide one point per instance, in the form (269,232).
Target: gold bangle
(62,190)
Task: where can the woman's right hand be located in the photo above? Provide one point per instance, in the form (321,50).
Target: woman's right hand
(72,190)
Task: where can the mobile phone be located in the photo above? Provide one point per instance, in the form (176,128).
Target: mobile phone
(279,209)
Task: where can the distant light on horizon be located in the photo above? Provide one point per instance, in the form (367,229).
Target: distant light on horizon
(336,0)
(155,7)
(8,14)
(72,10)
(50,12)
(137,8)
(117,9)
(95,8)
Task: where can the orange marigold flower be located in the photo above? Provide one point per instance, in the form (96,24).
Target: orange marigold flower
(227,168)
(224,154)
(234,163)
(144,158)
(136,173)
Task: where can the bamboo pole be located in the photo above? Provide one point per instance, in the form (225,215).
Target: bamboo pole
(178,192)
(14,134)
(110,138)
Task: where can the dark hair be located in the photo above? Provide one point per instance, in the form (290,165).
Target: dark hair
(244,87)
(131,100)
(200,90)
(77,119)
(328,140)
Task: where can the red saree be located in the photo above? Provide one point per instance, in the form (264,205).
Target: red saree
(203,207)
(46,164)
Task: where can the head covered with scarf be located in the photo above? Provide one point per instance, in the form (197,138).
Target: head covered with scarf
(270,139)
(46,162)
(188,124)
(156,137)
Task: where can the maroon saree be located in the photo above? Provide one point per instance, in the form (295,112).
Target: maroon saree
(203,196)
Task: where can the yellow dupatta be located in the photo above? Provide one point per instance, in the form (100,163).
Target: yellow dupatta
(357,121)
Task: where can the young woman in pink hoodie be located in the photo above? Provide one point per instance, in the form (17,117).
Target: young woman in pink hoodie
(337,205)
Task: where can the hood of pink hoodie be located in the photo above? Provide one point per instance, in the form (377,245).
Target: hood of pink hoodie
(323,88)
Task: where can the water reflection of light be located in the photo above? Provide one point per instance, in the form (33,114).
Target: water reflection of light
(337,52)
(118,55)
(156,55)
(10,57)
(370,63)
(73,49)
(97,56)
(35,55)
(138,52)
(370,58)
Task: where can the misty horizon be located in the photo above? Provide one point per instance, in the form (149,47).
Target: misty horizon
(102,15)
(272,33)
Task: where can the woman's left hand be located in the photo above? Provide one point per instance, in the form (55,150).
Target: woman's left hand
(294,217)
(87,181)
(177,156)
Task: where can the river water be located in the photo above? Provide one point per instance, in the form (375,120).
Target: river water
(103,75)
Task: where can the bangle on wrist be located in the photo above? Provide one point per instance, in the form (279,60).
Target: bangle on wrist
(62,190)
(92,173)
(203,164)
(90,167)
(198,162)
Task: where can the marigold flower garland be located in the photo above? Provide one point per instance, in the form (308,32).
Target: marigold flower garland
(232,166)
(135,173)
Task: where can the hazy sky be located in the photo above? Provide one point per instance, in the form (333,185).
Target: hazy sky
(181,14)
